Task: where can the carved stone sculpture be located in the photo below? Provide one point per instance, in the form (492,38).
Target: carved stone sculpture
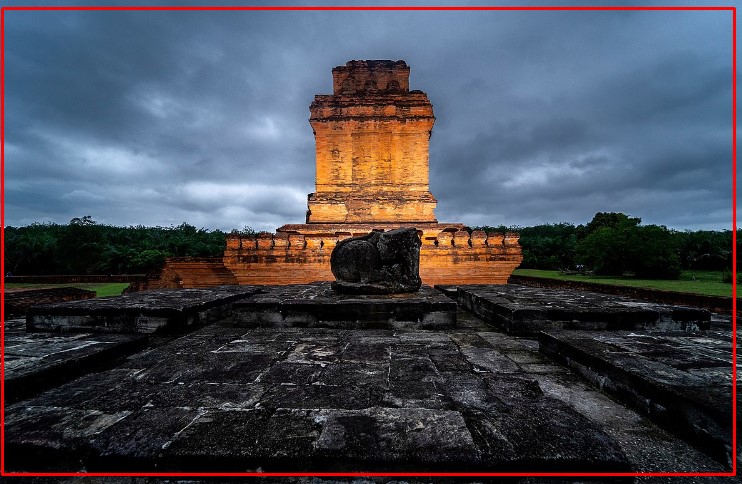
(378,263)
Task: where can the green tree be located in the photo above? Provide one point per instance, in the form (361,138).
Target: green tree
(614,244)
(705,249)
(606,220)
(148,260)
(604,250)
(653,254)
(549,246)
(80,246)
(32,249)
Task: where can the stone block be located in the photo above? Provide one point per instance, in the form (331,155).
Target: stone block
(317,305)
(296,242)
(18,302)
(140,312)
(495,239)
(281,241)
(511,239)
(445,239)
(313,242)
(478,238)
(526,310)
(665,376)
(226,399)
(461,239)
(265,241)
(233,242)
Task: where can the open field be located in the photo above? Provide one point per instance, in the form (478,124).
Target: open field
(708,283)
(101,289)
(695,282)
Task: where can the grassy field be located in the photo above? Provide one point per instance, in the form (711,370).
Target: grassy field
(696,282)
(101,289)
(708,283)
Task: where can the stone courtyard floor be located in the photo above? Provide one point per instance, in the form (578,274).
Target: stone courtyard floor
(225,398)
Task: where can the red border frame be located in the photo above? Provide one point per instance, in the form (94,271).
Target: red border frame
(733,472)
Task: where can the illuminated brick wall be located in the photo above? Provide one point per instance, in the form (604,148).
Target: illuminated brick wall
(372,138)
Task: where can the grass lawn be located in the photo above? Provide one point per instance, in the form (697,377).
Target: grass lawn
(101,289)
(695,282)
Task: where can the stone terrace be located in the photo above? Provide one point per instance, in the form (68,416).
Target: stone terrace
(528,310)
(140,312)
(463,399)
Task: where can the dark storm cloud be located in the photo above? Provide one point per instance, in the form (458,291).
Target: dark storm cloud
(164,117)
(644,130)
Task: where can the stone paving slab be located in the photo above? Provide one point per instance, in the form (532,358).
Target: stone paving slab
(230,399)
(317,305)
(682,381)
(38,361)
(140,312)
(19,301)
(448,290)
(225,398)
(528,310)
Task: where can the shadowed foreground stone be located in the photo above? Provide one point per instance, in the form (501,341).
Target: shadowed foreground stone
(139,312)
(38,361)
(528,310)
(225,398)
(682,381)
(377,263)
(318,305)
(222,399)
(18,302)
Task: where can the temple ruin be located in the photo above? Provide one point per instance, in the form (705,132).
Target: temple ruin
(372,139)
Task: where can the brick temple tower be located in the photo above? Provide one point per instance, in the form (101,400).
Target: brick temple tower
(372,137)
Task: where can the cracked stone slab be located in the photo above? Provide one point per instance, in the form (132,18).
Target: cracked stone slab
(245,441)
(36,362)
(398,436)
(528,310)
(671,377)
(318,305)
(18,301)
(140,312)
(54,437)
(133,440)
(304,400)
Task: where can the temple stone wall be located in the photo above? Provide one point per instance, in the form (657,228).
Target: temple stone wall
(449,258)
(188,272)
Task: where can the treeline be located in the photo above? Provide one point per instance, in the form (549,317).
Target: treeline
(86,247)
(615,244)
(610,244)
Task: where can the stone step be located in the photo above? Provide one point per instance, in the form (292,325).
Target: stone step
(527,310)
(161,310)
(682,381)
(317,305)
(35,362)
(18,302)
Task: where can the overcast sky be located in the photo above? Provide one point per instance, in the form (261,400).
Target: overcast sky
(159,118)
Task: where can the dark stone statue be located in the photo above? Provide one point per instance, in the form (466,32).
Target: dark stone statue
(377,263)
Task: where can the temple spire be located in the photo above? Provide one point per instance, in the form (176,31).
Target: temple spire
(372,138)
